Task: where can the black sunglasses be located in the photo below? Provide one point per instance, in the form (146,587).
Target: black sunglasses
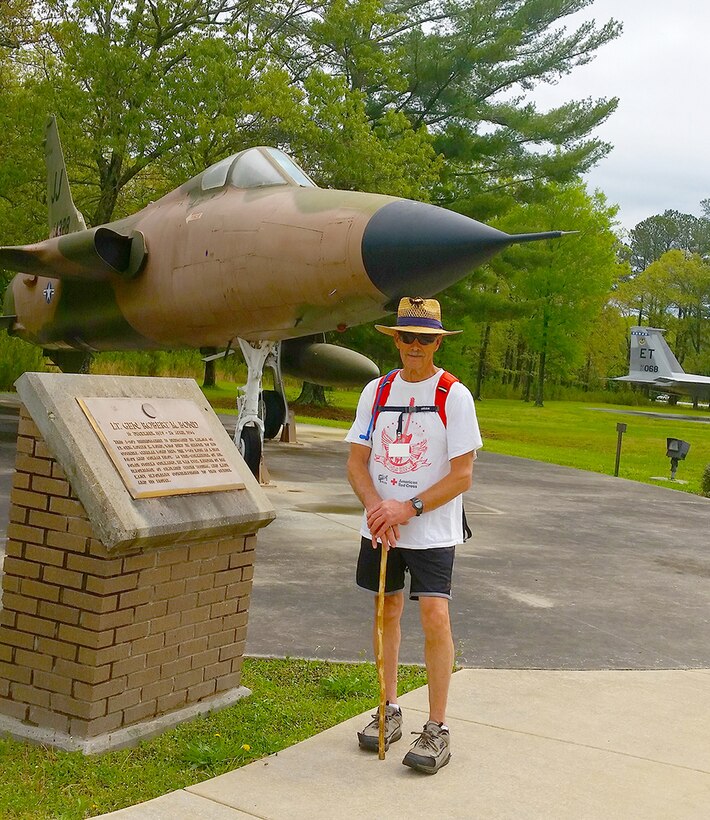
(422,338)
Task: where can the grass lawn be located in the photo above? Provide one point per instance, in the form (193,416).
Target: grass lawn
(291,700)
(575,434)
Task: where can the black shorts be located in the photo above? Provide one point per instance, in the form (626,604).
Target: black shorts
(430,570)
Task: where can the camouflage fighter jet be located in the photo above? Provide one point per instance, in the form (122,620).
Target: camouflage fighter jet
(251,251)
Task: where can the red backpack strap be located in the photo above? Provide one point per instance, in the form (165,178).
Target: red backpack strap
(442,393)
(384,386)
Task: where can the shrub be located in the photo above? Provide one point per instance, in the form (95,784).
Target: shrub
(705,482)
(16,358)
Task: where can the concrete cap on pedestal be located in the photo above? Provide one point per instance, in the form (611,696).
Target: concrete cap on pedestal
(119,520)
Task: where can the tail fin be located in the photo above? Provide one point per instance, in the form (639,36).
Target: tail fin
(651,358)
(63,215)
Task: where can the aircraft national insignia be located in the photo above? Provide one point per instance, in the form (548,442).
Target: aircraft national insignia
(48,292)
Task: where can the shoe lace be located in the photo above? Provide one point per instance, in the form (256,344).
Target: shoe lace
(427,740)
(376,719)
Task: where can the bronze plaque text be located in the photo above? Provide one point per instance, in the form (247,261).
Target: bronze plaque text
(161,447)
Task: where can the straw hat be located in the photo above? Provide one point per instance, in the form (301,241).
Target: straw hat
(418,315)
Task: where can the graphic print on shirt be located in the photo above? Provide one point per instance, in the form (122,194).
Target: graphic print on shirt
(412,456)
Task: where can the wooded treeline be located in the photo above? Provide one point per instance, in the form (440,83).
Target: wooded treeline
(423,99)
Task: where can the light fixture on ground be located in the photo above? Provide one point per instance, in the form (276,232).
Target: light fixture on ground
(676,450)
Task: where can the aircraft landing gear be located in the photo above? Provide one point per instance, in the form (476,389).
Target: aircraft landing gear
(261,414)
(275,412)
(250,448)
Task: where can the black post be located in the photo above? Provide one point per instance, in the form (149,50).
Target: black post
(620,429)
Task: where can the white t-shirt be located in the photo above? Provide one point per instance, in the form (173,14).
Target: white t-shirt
(429,446)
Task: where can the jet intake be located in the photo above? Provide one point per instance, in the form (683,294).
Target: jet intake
(94,255)
(105,252)
(329,365)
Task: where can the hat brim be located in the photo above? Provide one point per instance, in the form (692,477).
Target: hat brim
(429,331)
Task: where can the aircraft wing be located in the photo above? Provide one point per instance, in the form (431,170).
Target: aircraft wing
(636,379)
(692,380)
(94,254)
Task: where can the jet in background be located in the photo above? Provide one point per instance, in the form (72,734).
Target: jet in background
(652,363)
(251,253)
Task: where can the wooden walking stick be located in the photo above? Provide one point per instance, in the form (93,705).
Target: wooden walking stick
(380,651)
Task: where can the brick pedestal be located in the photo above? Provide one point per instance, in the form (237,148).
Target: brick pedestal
(96,646)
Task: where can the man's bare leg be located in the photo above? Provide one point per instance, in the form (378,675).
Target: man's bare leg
(392,635)
(438,653)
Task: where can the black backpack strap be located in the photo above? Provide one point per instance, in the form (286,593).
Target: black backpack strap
(466,529)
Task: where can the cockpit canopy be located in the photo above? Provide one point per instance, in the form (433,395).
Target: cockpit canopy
(256,168)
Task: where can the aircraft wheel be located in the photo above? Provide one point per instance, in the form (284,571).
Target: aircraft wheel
(250,448)
(274,413)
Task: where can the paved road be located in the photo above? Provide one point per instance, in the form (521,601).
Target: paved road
(566,569)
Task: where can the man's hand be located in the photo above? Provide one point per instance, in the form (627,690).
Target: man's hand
(388,538)
(384,518)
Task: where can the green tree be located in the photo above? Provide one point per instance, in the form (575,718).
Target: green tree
(149,94)
(21,164)
(564,282)
(17,26)
(646,296)
(675,290)
(606,349)
(126,80)
(344,149)
(653,237)
(461,69)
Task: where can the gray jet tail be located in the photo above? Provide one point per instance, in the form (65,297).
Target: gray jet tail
(650,358)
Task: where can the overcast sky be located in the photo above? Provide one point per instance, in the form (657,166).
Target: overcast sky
(660,69)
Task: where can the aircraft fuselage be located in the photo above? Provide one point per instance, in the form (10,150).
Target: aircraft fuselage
(269,263)
(249,249)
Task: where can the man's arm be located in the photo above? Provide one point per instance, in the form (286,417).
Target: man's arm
(392,513)
(361,482)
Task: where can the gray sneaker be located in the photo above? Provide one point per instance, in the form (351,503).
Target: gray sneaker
(431,750)
(369,738)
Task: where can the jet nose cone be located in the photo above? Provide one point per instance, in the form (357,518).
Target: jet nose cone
(410,248)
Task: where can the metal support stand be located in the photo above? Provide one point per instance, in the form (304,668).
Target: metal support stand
(273,360)
(255,355)
(249,430)
(252,410)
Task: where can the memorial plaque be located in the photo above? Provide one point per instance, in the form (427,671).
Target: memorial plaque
(161,447)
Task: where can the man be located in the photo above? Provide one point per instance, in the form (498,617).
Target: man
(413,444)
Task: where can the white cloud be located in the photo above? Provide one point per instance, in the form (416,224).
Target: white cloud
(658,68)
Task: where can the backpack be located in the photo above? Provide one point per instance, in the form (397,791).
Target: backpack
(384,388)
(441,393)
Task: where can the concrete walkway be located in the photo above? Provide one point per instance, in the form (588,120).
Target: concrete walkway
(526,744)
